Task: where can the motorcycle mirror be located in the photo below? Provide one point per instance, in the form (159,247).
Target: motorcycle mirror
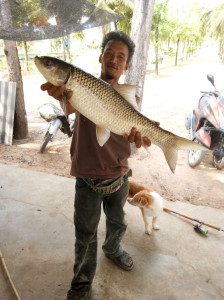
(211,79)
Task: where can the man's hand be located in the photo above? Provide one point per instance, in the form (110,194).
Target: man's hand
(56,91)
(135,137)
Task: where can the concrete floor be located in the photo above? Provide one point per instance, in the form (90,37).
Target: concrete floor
(37,238)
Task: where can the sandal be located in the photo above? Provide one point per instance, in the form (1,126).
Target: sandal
(121,261)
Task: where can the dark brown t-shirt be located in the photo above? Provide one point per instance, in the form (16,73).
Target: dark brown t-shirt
(89,160)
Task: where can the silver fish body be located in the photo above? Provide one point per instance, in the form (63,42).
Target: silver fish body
(111,108)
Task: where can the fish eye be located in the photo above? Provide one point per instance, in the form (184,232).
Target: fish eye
(47,62)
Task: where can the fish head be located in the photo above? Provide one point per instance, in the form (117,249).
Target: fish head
(54,70)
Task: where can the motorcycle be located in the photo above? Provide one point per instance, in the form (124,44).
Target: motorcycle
(206,125)
(56,120)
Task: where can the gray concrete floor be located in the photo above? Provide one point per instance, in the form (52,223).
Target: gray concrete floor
(37,242)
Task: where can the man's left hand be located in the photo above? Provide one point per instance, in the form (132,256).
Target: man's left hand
(135,137)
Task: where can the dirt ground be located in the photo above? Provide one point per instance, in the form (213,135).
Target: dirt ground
(167,98)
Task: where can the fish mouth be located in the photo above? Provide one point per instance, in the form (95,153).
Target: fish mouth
(36,59)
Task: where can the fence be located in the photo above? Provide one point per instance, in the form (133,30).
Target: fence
(7,108)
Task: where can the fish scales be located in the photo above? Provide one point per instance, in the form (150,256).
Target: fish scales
(122,116)
(105,96)
(108,109)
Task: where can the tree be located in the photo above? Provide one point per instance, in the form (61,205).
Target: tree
(140,33)
(20,130)
(158,20)
(121,7)
(213,24)
(27,10)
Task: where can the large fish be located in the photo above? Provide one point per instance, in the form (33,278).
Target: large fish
(110,107)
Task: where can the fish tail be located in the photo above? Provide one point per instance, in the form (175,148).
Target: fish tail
(171,153)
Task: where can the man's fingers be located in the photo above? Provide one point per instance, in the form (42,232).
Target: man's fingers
(69,95)
(146,141)
(138,140)
(125,136)
(135,137)
(45,86)
(54,91)
(131,137)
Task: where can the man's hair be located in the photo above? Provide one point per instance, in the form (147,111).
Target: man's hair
(119,36)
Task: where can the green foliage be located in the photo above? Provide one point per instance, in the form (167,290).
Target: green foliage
(176,28)
(121,7)
(79,35)
(55,45)
(125,9)
(169,52)
(213,21)
(29,10)
(213,25)
(3,63)
(159,14)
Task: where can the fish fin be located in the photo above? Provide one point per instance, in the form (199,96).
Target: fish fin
(171,157)
(128,92)
(102,135)
(180,143)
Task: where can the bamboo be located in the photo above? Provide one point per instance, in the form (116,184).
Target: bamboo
(8,276)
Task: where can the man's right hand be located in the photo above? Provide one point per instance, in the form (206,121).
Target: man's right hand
(56,91)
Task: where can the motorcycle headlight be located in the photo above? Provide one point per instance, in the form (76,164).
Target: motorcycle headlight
(221,119)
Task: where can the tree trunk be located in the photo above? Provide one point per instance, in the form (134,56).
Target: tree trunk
(157,50)
(105,29)
(221,49)
(168,44)
(63,45)
(187,52)
(183,50)
(26,56)
(20,130)
(67,47)
(140,33)
(176,58)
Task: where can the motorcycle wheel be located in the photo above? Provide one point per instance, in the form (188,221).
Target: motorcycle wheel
(195,157)
(218,163)
(47,139)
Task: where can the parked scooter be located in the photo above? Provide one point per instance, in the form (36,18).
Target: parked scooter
(56,120)
(206,125)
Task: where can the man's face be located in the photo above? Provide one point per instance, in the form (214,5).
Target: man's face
(113,61)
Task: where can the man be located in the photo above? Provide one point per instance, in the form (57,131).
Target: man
(101,175)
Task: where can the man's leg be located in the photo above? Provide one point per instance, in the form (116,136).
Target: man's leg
(116,226)
(86,219)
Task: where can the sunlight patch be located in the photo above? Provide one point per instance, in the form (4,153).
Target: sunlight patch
(219,177)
